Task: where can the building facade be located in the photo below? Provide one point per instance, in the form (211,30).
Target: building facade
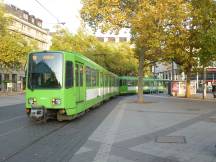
(172,71)
(168,71)
(31,28)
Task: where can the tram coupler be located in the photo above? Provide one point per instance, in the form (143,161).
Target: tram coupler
(38,114)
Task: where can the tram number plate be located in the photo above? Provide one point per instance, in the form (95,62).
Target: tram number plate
(37,113)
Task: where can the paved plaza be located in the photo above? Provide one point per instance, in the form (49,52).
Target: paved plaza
(131,130)
(163,129)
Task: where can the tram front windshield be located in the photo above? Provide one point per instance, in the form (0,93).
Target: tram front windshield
(45,71)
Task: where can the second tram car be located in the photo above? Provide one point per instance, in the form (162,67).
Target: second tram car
(129,85)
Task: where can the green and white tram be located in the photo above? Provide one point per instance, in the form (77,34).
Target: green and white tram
(64,85)
(129,85)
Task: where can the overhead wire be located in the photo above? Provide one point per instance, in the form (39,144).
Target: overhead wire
(38,2)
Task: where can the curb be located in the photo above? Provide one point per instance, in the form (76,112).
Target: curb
(182,98)
(3,94)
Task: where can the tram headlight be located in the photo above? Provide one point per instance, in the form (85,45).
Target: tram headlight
(56,101)
(31,101)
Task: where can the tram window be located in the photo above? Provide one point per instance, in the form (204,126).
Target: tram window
(104,78)
(93,77)
(113,82)
(136,82)
(101,79)
(107,84)
(81,75)
(69,74)
(107,81)
(130,83)
(110,80)
(121,82)
(116,80)
(97,78)
(77,75)
(124,82)
(88,77)
(146,83)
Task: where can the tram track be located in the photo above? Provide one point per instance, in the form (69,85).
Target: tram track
(12,119)
(33,142)
(29,138)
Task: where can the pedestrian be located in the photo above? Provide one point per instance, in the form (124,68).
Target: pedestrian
(214,90)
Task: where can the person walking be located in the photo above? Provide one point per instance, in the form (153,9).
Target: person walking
(214,90)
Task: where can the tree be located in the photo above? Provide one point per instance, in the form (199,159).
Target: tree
(13,46)
(62,39)
(105,54)
(148,20)
(194,44)
(205,22)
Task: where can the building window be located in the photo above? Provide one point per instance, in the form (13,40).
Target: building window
(33,32)
(111,39)
(44,45)
(122,39)
(6,77)
(100,39)
(14,78)
(23,27)
(39,24)
(33,20)
(25,16)
(44,36)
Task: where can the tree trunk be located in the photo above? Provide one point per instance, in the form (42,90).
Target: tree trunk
(188,91)
(204,83)
(140,77)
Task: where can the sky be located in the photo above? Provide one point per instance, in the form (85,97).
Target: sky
(66,11)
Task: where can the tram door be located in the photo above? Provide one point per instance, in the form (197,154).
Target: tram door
(80,90)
